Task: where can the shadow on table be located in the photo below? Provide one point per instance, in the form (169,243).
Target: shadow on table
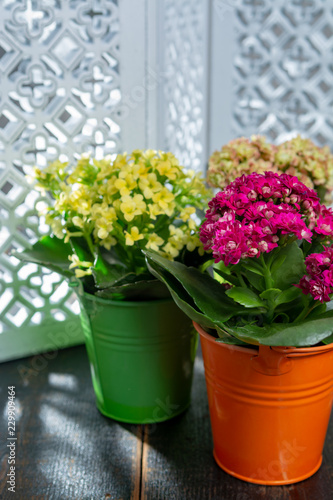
(178,463)
(65,448)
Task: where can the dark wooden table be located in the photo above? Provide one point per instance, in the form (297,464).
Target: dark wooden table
(67,449)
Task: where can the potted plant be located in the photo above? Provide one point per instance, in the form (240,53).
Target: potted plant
(299,157)
(102,214)
(266,322)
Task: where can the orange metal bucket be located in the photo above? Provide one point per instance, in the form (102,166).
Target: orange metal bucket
(269,408)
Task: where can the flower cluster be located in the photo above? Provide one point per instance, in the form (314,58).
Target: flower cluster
(144,200)
(257,212)
(240,156)
(310,164)
(319,278)
(298,157)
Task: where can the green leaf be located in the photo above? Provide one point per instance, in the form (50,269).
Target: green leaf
(253,267)
(288,295)
(229,339)
(314,247)
(49,252)
(138,290)
(319,310)
(328,340)
(305,333)
(256,281)
(179,295)
(208,295)
(107,273)
(245,297)
(226,272)
(291,267)
(270,294)
(277,262)
(284,318)
(226,277)
(80,248)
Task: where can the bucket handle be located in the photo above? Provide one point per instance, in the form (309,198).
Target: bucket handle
(273,360)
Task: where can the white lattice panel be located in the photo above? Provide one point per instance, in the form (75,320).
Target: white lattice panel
(76,76)
(185,75)
(283,77)
(59,92)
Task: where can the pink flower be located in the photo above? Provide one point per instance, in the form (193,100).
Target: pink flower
(325,223)
(264,208)
(320,291)
(229,245)
(314,263)
(319,279)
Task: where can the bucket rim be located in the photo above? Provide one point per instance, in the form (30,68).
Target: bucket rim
(125,303)
(212,339)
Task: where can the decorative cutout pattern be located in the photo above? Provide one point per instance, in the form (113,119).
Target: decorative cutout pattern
(185,58)
(283,69)
(59,91)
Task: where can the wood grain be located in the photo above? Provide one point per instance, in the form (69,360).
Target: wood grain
(178,462)
(67,449)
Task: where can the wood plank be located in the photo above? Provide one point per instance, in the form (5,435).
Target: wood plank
(65,447)
(178,463)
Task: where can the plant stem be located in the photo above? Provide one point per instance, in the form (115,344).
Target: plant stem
(266,273)
(306,312)
(90,243)
(241,279)
(269,284)
(205,265)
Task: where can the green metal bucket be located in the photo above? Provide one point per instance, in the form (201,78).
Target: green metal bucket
(141,357)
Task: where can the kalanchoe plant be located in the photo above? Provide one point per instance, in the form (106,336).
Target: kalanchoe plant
(299,157)
(104,213)
(240,156)
(270,239)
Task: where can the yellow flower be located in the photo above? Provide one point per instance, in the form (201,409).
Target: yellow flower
(75,262)
(80,273)
(125,185)
(192,224)
(148,154)
(176,231)
(133,236)
(154,242)
(192,242)
(186,213)
(70,235)
(140,170)
(77,221)
(165,199)
(39,174)
(171,248)
(104,228)
(154,210)
(109,242)
(120,161)
(109,188)
(56,227)
(132,206)
(167,165)
(150,185)
(176,241)
(103,210)
(79,200)
(106,197)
